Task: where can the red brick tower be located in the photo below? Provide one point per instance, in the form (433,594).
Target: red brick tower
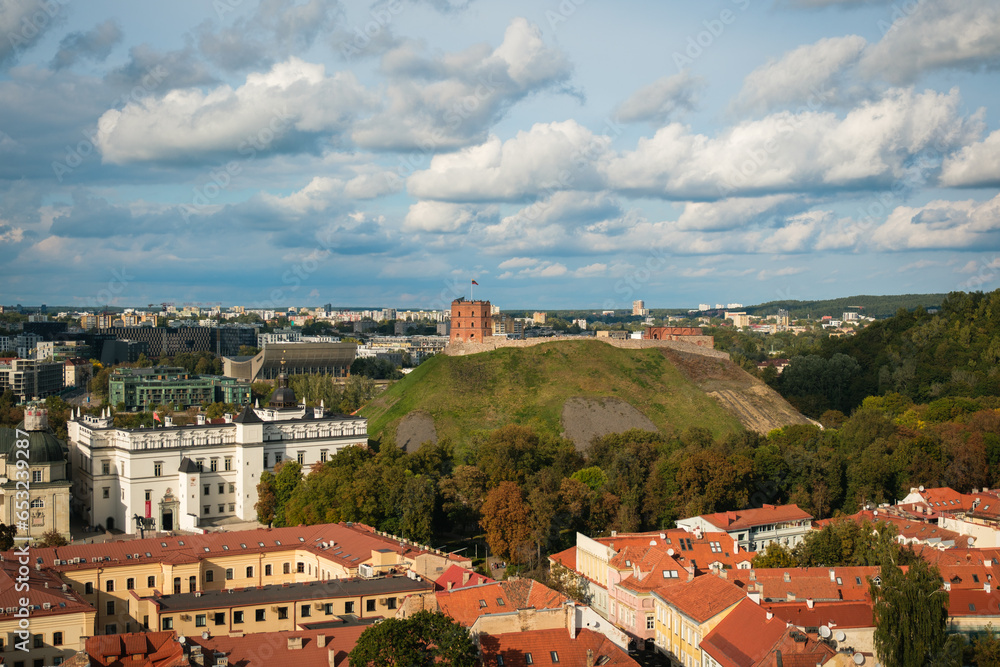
(470,321)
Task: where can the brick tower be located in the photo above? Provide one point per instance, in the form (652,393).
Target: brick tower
(470,321)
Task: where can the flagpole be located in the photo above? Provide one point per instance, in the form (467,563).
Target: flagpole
(472,291)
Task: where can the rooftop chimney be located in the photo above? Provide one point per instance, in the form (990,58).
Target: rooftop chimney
(228,417)
(465,577)
(810,603)
(294,643)
(321,640)
(754,596)
(833,576)
(201,420)
(590,657)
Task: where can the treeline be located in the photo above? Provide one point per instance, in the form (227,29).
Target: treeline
(872,306)
(531,493)
(925,357)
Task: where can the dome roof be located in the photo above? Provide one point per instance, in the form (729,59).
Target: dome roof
(283,397)
(43,446)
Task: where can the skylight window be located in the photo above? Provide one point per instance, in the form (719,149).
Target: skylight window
(482,603)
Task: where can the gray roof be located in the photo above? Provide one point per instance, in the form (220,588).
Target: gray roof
(315,590)
(43,446)
(187,465)
(248,416)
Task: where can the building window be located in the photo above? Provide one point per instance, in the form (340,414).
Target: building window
(267,570)
(220,618)
(229,573)
(282,613)
(110,607)
(201,465)
(111,629)
(129,584)
(528,660)
(348,608)
(39,641)
(167,622)
(392,603)
(36,475)
(214,465)
(265,459)
(192,584)
(222,489)
(200,620)
(157,469)
(500,661)
(208,509)
(222,509)
(232,507)
(306,610)
(229,463)
(322,456)
(57,639)
(105,467)
(88,588)
(277,458)
(287,568)
(177,585)
(249,571)
(259,615)
(232,488)
(37,502)
(208,489)
(106,492)
(301,457)
(209,576)
(554,655)
(237,617)
(151,581)
(370,605)
(650,623)
(149,495)
(109,585)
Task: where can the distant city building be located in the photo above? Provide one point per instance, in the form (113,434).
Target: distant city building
(77,372)
(740,319)
(754,529)
(851,316)
(783,319)
(704,306)
(444,328)
(538,317)
(471,321)
(639,308)
(364,326)
(388,314)
(282,336)
(30,379)
(139,388)
(162,341)
(88,321)
(582,323)
(506,325)
(299,359)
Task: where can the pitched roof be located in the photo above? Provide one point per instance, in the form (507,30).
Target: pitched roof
(136,649)
(272,648)
(467,604)
(744,636)
(515,647)
(703,597)
(841,614)
(978,602)
(565,558)
(460,577)
(248,416)
(760,516)
(687,547)
(45,587)
(796,649)
(802,583)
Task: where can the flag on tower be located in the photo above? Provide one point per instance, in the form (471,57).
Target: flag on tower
(474,282)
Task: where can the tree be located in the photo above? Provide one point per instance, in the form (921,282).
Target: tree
(247,351)
(7,534)
(267,501)
(51,539)
(424,639)
(507,521)
(911,614)
(986,647)
(774,556)
(287,477)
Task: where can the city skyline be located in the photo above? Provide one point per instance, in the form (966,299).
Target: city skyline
(562,154)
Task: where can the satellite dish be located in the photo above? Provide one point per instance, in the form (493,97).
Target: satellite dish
(859,659)
(670,552)
(181,639)
(652,543)
(921,488)
(840,636)
(824,632)
(875,513)
(204,635)
(972,541)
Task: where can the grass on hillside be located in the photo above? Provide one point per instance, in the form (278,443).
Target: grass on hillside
(528,386)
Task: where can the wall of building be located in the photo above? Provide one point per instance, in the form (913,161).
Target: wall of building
(693,344)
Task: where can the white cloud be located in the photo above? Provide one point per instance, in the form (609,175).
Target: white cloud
(660,100)
(23,23)
(594,270)
(960,34)
(293,99)
(732,213)
(441,103)
(548,157)
(527,267)
(976,165)
(766,274)
(436,216)
(810,74)
(941,224)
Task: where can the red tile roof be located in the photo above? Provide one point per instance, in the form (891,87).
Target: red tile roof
(760,516)
(460,577)
(797,650)
(515,646)
(687,547)
(146,649)
(565,558)
(703,597)
(965,602)
(45,588)
(465,605)
(841,614)
(803,583)
(744,637)
(271,648)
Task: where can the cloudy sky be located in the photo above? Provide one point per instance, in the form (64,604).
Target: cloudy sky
(569,153)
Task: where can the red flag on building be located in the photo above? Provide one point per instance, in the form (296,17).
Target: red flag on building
(156,416)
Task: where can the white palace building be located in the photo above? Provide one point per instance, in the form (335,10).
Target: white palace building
(189,477)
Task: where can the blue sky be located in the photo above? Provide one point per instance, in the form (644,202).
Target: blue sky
(565,154)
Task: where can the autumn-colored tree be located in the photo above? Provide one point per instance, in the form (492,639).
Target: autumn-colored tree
(507,521)
(508,454)
(51,539)
(267,501)
(463,493)
(774,556)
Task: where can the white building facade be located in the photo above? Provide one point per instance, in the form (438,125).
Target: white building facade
(187,477)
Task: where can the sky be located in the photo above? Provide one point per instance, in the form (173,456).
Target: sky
(561,153)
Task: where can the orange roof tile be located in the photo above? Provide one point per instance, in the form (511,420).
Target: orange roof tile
(978,602)
(460,577)
(703,597)
(744,637)
(803,583)
(515,647)
(565,558)
(467,604)
(45,588)
(146,649)
(841,614)
(271,648)
(796,649)
(760,516)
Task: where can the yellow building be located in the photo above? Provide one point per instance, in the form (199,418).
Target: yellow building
(59,620)
(114,576)
(278,608)
(686,612)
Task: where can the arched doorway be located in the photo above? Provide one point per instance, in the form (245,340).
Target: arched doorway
(110,523)
(168,520)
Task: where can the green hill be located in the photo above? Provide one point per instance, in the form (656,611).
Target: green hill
(530,386)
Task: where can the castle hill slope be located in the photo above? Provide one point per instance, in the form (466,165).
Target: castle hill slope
(530,386)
